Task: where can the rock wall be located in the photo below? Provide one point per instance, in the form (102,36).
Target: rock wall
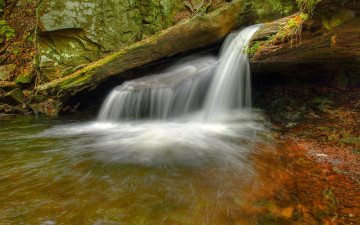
(269,10)
(72,34)
(325,42)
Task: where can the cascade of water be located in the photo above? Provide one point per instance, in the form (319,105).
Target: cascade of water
(185,87)
(177,91)
(231,86)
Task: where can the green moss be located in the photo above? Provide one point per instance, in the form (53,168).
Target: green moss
(308,6)
(333,20)
(254,48)
(269,10)
(85,76)
(351,140)
(24,78)
(291,31)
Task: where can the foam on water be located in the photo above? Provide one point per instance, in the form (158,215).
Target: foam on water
(164,143)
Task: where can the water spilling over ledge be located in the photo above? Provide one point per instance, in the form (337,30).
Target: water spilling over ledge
(185,87)
(175,119)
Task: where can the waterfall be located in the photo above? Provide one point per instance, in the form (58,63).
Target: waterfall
(177,91)
(206,84)
(231,85)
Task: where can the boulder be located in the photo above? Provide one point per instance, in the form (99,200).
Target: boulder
(26,76)
(6,71)
(14,97)
(72,33)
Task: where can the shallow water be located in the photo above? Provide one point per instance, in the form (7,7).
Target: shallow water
(144,172)
(67,171)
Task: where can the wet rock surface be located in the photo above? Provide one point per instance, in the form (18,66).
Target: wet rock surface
(298,46)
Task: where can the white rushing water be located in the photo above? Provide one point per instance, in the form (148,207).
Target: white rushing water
(194,113)
(231,85)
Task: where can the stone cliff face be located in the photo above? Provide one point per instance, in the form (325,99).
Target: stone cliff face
(72,34)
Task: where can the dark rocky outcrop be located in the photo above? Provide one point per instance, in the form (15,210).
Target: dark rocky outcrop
(315,45)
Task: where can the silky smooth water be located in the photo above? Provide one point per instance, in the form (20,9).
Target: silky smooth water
(149,172)
(72,171)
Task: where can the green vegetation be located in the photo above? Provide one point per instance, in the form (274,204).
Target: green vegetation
(255,47)
(291,31)
(308,6)
(6,30)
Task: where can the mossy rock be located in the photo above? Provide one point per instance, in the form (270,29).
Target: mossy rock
(269,10)
(14,97)
(26,77)
(71,33)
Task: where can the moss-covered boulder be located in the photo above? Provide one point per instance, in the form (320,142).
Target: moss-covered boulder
(14,97)
(26,76)
(74,33)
